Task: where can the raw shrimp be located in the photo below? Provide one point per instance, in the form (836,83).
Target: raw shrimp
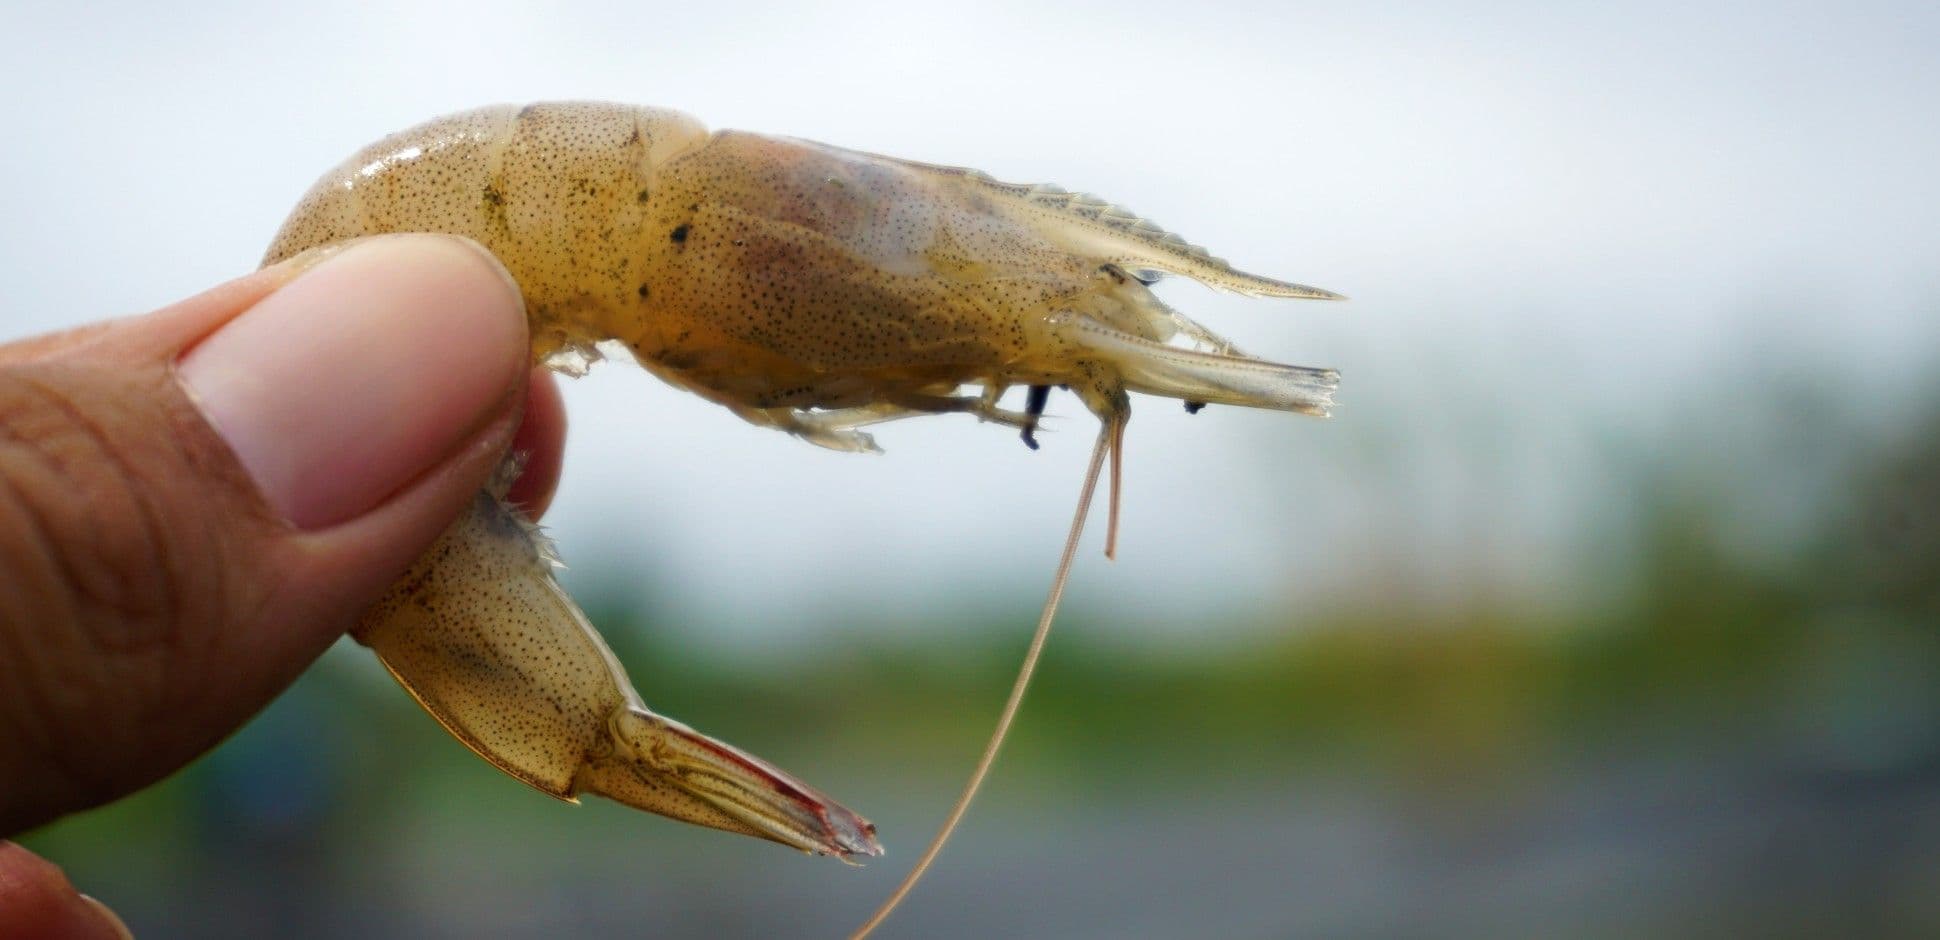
(807,288)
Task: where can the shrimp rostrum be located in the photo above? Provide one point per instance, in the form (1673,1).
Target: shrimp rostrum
(808,288)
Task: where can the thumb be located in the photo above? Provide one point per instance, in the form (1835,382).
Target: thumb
(195,503)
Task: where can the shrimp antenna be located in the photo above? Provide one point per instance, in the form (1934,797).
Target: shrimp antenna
(1110,433)
(1115,427)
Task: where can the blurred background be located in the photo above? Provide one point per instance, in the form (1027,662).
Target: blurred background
(1606,606)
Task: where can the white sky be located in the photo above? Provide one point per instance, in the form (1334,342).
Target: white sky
(1567,228)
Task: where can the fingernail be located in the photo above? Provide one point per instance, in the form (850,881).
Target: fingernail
(362,373)
(113,919)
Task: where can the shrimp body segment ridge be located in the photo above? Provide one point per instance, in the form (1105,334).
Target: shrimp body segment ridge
(808,288)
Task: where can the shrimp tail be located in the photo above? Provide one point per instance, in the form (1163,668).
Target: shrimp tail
(483,637)
(655,763)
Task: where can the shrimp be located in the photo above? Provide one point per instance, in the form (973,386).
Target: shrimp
(807,288)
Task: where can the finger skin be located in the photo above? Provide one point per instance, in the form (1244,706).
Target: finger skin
(37,901)
(542,439)
(153,600)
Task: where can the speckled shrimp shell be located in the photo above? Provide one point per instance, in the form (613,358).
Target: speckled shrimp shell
(806,287)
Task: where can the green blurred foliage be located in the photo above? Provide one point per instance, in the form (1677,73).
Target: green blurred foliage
(1825,663)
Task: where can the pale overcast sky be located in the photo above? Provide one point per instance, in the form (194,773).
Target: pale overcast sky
(1559,222)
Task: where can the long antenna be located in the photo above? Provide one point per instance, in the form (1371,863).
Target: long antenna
(1106,436)
(1115,426)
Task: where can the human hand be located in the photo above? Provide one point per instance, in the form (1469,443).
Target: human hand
(195,503)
